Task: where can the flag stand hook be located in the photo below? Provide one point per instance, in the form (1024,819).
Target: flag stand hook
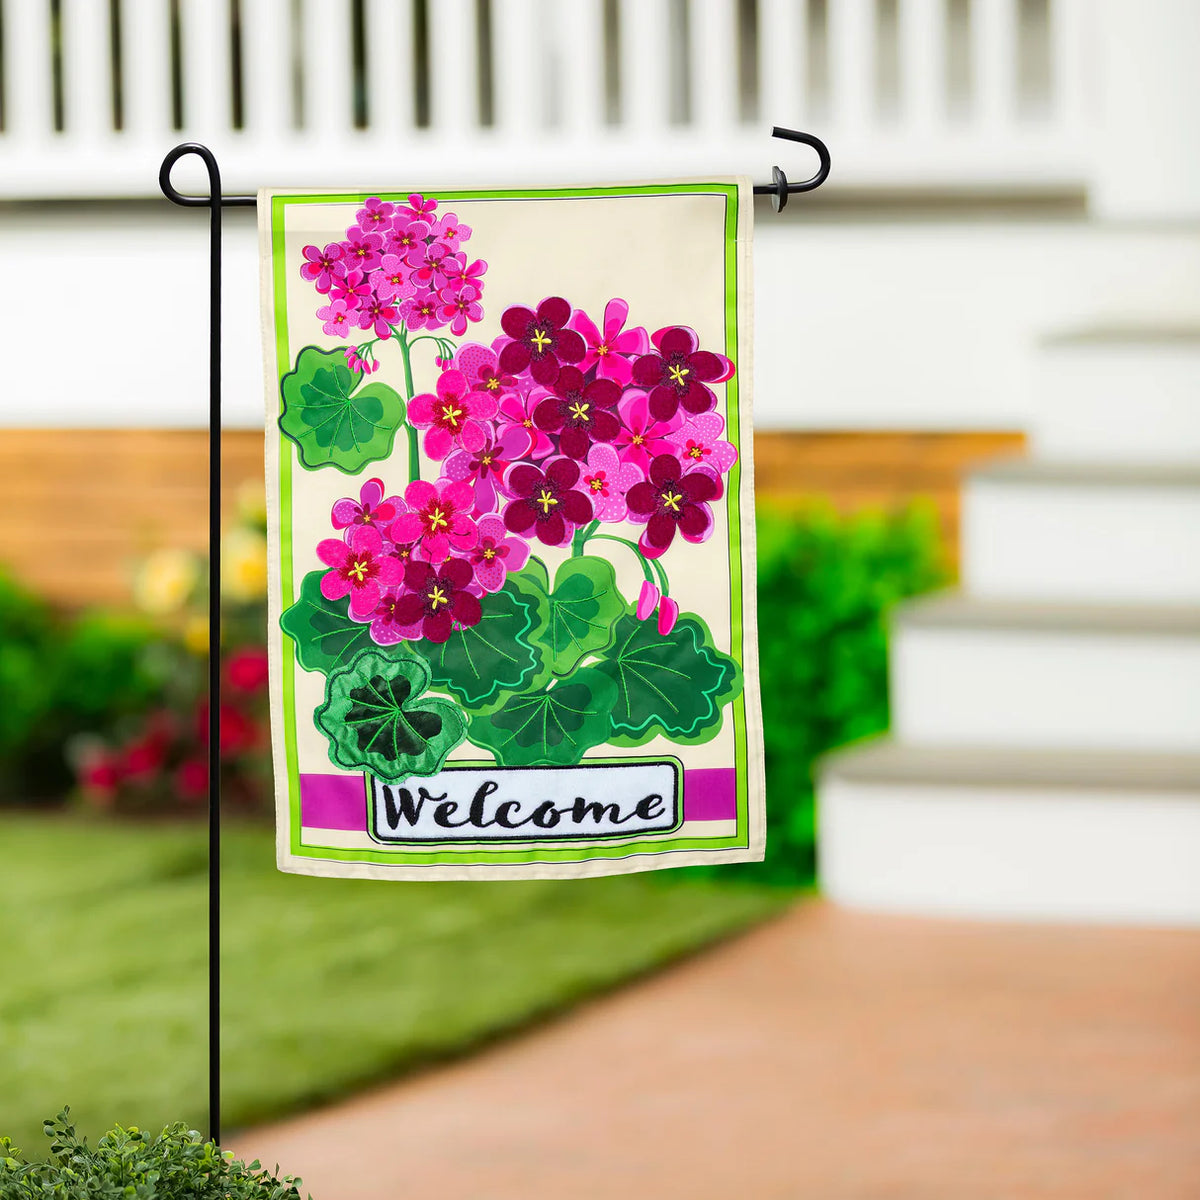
(779,190)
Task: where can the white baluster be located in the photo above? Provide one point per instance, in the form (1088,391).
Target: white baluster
(581,41)
(207,98)
(28,79)
(782,61)
(87,70)
(645,81)
(518,60)
(1073,56)
(266,68)
(851,62)
(453,66)
(328,73)
(993,62)
(714,60)
(390,68)
(923,63)
(146,69)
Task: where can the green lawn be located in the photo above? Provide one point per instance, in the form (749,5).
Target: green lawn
(330,984)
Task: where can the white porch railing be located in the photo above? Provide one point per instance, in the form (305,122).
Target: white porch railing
(958,94)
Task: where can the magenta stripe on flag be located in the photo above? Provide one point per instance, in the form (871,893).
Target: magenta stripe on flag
(339,801)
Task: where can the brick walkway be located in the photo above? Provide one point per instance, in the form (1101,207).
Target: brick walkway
(829,1056)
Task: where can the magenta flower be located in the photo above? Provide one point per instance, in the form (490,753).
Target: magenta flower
(495,554)
(322,267)
(375,216)
(437,599)
(360,569)
(390,280)
(439,518)
(456,268)
(431,270)
(363,250)
(406,240)
(386,627)
(672,500)
(546,502)
(481,366)
(369,509)
(460,305)
(420,311)
(606,479)
(351,288)
(419,208)
(517,409)
(338,318)
(641,435)
(378,315)
(484,468)
(698,443)
(540,340)
(579,412)
(453,417)
(613,351)
(451,231)
(678,373)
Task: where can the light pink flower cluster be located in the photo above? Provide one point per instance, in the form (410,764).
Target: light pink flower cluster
(558,426)
(397,265)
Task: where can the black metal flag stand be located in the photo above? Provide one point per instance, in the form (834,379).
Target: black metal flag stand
(779,190)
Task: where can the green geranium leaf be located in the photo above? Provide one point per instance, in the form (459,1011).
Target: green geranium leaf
(477,662)
(674,685)
(331,422)
(581,610)
(378,720)
(325,636)
(553,725)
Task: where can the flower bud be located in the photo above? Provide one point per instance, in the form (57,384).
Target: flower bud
(668,613)
(647,600)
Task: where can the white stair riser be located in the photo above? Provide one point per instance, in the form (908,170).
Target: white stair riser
(1081,542)
(1123,403)
(1045,689)
(1051,854)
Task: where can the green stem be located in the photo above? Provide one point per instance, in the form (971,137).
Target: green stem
(647,563)
(414,454)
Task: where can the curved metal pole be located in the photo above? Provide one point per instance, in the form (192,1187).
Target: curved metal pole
(213,202)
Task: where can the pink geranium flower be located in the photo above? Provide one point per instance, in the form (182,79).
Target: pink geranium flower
(375,216)
(369,509)
(386,627)
(613,351)
(378,315)
(338,318)
(359,568)
(460,305)
(420,311)
(322,267)
(363,250)
(495,554)
(671,501)
(517,409)
(419,208)
(406,240)
(352,289)
(698,443)
(439,519)
(484,468)
(579,412)
(481,366)
(438,599)
(431,272)
(546,502)
(451,231)
(540,341)
(677,373)
(453,418)
(606,479)
(391,280)
(642,435)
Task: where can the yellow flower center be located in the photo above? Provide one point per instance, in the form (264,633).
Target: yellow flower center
(486,460)
(492,384)
(597,485)
(677,374)
(671,500)
(540,340)
(602,350)
(437,596)
(451,414)
(489,553)
(547,500)
(359,569)
(696,451)
(579,410)
(638,439)
(435,519)
(527,423)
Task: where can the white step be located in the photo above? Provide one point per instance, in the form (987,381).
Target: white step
(993,673)
(1067,531)
(1098,837)
(1128,394)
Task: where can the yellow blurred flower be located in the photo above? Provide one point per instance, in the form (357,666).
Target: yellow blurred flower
(165,581)
(252,502)
(244,566)
(195,634)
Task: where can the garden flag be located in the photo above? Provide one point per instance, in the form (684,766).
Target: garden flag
(511,531)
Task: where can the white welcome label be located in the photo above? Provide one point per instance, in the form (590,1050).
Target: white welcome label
(471,804)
